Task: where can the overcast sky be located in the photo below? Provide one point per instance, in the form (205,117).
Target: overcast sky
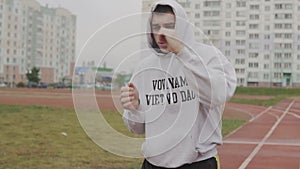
(92,14)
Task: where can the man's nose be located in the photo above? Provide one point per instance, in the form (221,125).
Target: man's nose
(162,32)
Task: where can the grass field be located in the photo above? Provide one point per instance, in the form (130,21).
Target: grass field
(277,95)
(268,91)
(43,137)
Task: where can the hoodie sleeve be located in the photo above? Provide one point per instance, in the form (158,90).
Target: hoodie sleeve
(214,76)
(134,120)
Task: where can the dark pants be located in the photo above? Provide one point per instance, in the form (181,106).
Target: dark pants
(210,163)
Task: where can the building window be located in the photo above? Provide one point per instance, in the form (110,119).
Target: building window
(240,42)
(254,45)
(288,46)
(240,61)
(277,65)
(227,34)
(266,57)
(241,51)
(287,65)
(277,75)
(254,7)
(266,47)
(266,76)
(283,16)
(240,80)
(277,56)
(211,3)
(240,3)
(240,71)
(211,13)
(253,26)
(227,43)
(278,26)
(240,33)
(240,23)
(253,55)
(266,66)
(227,52)
(253,35)
(287,56)
(253,65)
(252,74)
(254,17)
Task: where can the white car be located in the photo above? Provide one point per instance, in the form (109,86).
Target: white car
(3,85)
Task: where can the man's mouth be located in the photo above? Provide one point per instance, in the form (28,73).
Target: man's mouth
(163,44)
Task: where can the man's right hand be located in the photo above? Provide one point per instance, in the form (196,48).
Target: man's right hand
(130,97)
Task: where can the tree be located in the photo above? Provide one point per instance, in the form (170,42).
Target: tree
(33,75)
(121,79)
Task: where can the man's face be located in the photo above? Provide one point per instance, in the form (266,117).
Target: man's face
(161,21)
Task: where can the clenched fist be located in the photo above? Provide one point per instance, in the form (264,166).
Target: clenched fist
(168,40)
(129,97)
(175,45)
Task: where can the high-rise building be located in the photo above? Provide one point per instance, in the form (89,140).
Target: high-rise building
(32,35)
(260,37)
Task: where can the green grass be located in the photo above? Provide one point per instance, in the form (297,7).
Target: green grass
(269,102)
(268,91)
(230,125)
(278,94)
(31,137)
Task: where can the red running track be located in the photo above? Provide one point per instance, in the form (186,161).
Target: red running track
(270,140)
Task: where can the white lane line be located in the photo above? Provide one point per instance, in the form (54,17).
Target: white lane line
(263,141)
(295,115)
(266,143)
(242,110)
(274,115)
(234,131)
(260,114)
(295,110)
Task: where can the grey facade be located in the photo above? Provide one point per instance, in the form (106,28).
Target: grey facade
(261,37)
(36,36)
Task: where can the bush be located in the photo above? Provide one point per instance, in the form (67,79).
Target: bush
(20,84)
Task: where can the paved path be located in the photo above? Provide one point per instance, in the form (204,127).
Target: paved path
(270,140)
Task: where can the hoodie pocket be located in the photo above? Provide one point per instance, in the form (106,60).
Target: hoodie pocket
(204,148)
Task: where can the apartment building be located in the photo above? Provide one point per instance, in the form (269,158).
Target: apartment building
(32,35)
(260,37)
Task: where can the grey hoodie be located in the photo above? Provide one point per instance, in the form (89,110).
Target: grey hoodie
(181,99)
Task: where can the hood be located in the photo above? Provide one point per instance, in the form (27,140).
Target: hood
(183,27)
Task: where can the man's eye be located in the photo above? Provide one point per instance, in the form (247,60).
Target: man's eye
(155,28)
(170,26)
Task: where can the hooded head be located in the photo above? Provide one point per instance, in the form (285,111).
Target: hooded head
(168,14)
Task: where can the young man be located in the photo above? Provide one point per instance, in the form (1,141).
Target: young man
(176,96)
